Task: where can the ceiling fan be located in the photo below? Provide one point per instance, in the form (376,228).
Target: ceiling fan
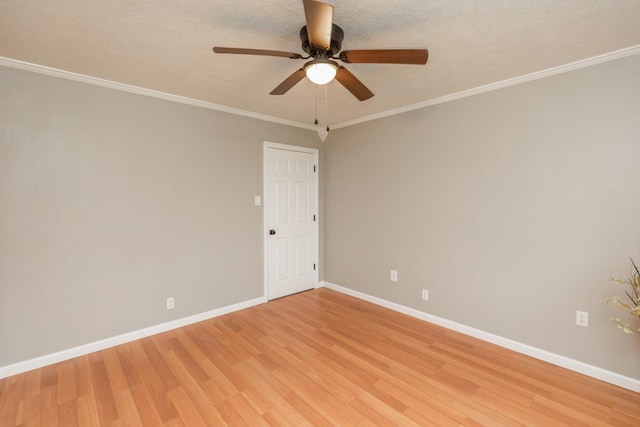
(322,41)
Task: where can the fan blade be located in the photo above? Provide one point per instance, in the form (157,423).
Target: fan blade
(386,56)
(319,18)
(289,82)
(352,84)
(241,51)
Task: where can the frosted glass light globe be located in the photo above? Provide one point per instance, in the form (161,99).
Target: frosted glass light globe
(321,73)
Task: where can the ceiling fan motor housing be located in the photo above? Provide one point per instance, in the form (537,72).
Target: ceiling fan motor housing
(337,35)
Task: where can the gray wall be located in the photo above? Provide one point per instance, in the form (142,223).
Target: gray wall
(511,207)
(111,202)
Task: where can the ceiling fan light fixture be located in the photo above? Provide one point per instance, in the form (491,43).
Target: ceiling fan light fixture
(321,72)
(322,41)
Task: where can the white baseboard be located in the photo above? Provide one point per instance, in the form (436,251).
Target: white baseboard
(555,359)
(565,362)
(49,359)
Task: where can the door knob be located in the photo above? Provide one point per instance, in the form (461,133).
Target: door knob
(272,232)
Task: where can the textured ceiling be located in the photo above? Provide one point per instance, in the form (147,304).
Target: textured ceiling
(166,46)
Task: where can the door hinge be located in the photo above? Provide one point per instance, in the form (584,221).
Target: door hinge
(314,168)
(314,267)
(314,218)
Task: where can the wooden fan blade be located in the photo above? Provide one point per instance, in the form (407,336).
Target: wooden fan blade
(386,56)
(352,84)
(319,18)
(241,51)
(289,82)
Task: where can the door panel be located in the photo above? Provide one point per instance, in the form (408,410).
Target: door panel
(302,256)
(291,211)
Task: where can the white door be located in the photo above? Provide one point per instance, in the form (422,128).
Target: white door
(291,226)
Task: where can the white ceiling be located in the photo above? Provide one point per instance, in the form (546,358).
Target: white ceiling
(165,45)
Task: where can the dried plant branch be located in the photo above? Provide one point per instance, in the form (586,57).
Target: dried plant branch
(634,296)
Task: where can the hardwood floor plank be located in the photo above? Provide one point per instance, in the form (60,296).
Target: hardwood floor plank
(583,405)
(49,377)
(156,391)
(246,411)
(630,407)
(12,397)
(84,382)
(563,382)
(9,412)
(188,361)
(26,409)
(345,391)
(235,349)
(564,413)
(279,353)
(498,403)
(230,415)
(256,400)
(32,383)
(47,412)
(624,420)
(67,413)
(510,391)
(393,416)
(430,408)
(145,406)
(203,395)
(371,410)
(87,410)
(187,411)
(318,358)
(66,382)
(163,374)
(388,398)
(115,371)
(280,417)
(276,394)
(309,412)
(455,357)
(104,394)
(319,397)
(127,409)
(218,386)
(245,347)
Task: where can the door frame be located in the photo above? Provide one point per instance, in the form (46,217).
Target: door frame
(267,145)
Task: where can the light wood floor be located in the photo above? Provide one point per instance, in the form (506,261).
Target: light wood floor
(315,358)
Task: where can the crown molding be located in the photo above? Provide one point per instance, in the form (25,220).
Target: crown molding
(584,63)
(68,75)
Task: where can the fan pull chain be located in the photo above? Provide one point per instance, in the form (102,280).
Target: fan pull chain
(326,105)
(316,105)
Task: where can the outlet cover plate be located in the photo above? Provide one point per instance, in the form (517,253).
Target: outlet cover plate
(582,318)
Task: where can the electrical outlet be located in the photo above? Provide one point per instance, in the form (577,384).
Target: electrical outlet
(425,295)
(393,275)
(582,318)
(170,303)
